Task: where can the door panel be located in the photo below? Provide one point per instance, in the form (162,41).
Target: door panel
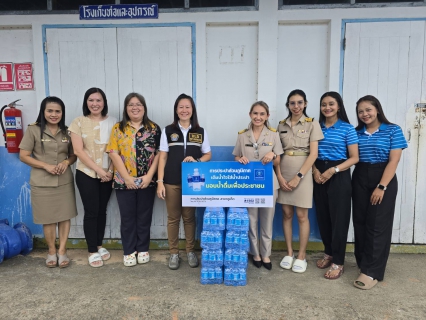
(156,62)
(385,59)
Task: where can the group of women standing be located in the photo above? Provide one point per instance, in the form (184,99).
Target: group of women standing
(126,156)
(311,159)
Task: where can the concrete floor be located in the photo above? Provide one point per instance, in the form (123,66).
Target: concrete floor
(29,290)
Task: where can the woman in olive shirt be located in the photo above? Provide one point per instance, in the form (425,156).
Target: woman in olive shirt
(46,147)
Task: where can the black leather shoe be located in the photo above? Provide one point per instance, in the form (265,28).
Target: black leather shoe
(256,263)
(267,265)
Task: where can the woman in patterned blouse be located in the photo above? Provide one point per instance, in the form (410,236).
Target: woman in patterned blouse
(133,148)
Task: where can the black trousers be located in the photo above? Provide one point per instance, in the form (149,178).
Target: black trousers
(333,206)
(94,195)
(372,224)
(136,215)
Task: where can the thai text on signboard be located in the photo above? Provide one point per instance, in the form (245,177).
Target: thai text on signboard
(227,184)
(120,11)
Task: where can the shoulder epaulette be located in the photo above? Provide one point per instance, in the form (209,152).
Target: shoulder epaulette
(33,124)
(272,129)
(309,119)
(242,131)
(283,120)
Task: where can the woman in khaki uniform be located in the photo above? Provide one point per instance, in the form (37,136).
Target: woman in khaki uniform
(260,143)
(46,147)
(299,137)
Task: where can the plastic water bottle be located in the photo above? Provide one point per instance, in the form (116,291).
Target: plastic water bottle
(230,219)
(213,219)
(218,275)
(245,245)
(221,219)
(202,179)
(196,184)
(245,222)
(204,278)
(242,277)
(189,178)
(206,219)
(237,220)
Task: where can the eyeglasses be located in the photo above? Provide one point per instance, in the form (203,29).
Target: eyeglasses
(256,150)
(135,105)
(299,103)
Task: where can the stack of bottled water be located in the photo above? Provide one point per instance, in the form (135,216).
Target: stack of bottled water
(212,241)
(237,246)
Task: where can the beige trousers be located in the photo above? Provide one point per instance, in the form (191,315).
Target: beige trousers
(265,216)
(174,212)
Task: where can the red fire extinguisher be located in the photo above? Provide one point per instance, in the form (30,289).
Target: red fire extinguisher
(13,132)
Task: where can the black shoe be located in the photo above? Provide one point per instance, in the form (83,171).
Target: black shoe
(267,265)
(256,263)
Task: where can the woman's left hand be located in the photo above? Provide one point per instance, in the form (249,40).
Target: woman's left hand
(268,157)
(326,175)
(61,167)
(189,159)
(145,182)
(293,183)
(377,196)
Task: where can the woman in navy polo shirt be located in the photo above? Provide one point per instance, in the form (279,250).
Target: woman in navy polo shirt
(337,152)
(374,189)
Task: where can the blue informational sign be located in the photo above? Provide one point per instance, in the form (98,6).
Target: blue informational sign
(227,184)
(119,11)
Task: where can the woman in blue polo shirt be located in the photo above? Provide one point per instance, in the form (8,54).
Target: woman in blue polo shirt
(374,189)
(337,152)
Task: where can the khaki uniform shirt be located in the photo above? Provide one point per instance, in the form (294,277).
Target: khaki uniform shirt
(268,141)
(297,138)
(56,149)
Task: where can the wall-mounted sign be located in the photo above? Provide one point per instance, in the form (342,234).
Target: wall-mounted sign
(6,77)
(24,76)
(119,11)
(227,184)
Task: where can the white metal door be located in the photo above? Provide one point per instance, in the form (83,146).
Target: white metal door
(155,62)
(385,59)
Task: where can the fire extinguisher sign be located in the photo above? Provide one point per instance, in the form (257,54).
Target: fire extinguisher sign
(6,77)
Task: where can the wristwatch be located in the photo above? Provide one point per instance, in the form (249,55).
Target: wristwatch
(300,175)
(381,187)
(274,157)
(336,169)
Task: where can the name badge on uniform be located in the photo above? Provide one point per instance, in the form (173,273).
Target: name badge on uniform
(46,140)
(266,143)
(196,137)
(249,144)
(283,131)
(302,131)
(174,137)
(65,139)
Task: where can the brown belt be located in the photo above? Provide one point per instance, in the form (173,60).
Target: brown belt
(296,153)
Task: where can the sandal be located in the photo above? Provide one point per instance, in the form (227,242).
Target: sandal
(287,262)
(105,255)
(143,257)
(299,266)
(364,282)
(51,258)
(325,262)
(63,260)
(129,260)
(328,275)
(94,258)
